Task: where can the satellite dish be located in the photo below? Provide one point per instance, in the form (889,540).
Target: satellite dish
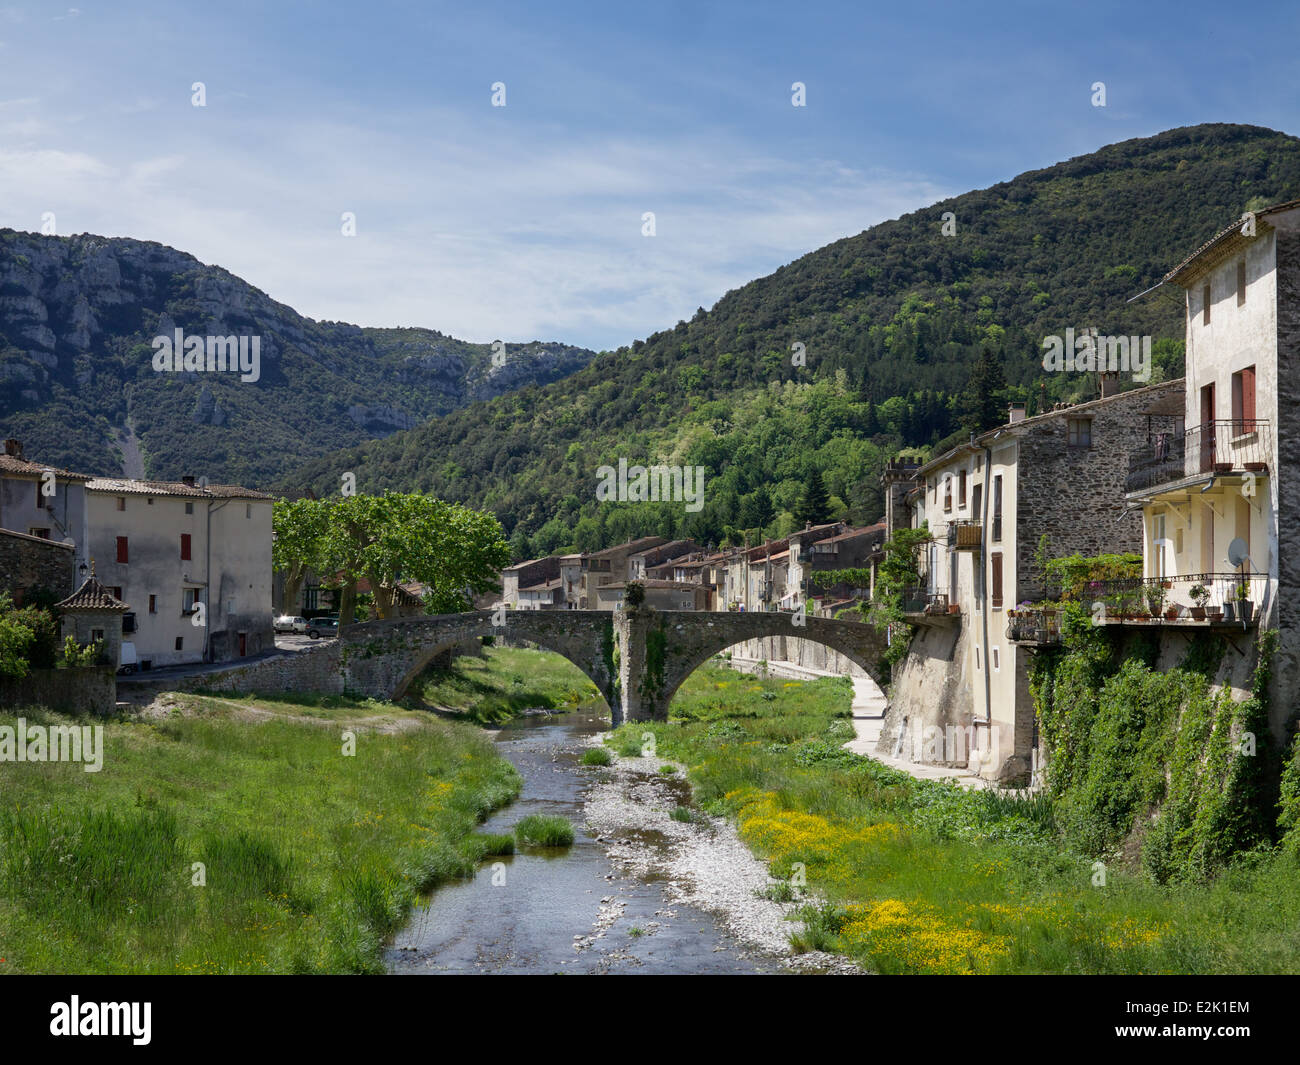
(1238,552)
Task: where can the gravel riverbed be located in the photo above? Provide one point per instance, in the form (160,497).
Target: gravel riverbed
(701,863)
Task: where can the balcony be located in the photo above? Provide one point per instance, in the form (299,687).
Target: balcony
(965,535)
(1215,449)
(1035,626)
(928,608)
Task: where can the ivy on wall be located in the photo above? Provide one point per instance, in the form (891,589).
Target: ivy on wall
(1127,741)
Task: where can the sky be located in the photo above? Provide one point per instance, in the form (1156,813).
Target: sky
(527,221)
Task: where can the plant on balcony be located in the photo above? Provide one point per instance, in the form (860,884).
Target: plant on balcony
(1155,596)
(1245,608)
(1200,596)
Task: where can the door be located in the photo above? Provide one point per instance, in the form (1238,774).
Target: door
(243,644)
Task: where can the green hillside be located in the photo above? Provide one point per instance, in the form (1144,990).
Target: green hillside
(893,320)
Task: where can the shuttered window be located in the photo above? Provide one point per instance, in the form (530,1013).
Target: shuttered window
(122,555)
(185,547)
(995,579)
(1243,400)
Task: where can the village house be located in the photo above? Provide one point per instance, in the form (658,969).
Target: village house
(192,561)
(1061,475)
(42,501)
(1220,509)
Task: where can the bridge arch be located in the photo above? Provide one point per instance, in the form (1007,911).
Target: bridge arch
(676,643)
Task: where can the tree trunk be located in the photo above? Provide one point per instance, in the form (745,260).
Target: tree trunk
(293,578)
(347,603)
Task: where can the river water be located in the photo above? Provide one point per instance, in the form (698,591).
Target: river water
(542,911)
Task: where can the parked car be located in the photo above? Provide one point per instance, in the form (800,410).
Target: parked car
(319,627)
(290,623)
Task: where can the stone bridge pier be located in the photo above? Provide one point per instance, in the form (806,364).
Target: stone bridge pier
(636,658)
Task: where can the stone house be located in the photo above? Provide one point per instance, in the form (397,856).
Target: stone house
(42,501)
(1061,474)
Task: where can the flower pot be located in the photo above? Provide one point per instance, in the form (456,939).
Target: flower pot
(1229,611)
(1245,610)
(1214,613)
(1198,613)
(1171,614)
(954,608)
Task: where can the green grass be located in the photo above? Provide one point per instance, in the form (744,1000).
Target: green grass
(922,876)
(597,756)
(505,682)
(236,837)
(542,830)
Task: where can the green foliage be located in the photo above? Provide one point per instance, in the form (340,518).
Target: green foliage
(1135,749)
(897,573)
(597,756)
(16,639)
(75,655)
(392,538)
(1075,571)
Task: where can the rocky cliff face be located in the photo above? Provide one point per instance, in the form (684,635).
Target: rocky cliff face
(78,316)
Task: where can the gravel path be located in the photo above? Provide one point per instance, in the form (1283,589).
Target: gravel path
(702,863)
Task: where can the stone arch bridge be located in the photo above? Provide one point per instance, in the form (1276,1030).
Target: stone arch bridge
(636,658)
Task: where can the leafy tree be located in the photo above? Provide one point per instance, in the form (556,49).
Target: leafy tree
(298,530)
(15,640)
(454,551)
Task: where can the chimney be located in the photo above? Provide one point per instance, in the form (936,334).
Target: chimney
(188,479)
(1017,413)
(1109,383)
(14,448)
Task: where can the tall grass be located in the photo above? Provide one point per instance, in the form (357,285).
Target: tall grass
(505,682)
(211,843)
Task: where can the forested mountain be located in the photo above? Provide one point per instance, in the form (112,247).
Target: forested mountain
(77,383)
(893,321)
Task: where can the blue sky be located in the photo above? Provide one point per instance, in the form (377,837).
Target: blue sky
(525,222)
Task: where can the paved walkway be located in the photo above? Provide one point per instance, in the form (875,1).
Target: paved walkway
(868,709)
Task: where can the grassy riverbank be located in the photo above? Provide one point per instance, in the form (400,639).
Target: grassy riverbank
(922,877)
(505,682)
(310,857)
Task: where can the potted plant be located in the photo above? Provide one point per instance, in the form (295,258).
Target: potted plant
(1229,606)
(1155,596)
(1245,608)
(1214,613)
(1172,611)
(1200,596)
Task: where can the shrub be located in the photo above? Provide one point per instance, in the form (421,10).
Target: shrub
(597,756)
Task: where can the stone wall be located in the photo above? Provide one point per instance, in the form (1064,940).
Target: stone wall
(29,564)
(1077,495)
(1286,665)
(71,691)
(315,669)
(802,653)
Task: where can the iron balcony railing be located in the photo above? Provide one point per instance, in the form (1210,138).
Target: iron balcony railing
(920,601)
(1220,447)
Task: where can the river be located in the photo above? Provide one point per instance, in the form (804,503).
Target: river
(569,910)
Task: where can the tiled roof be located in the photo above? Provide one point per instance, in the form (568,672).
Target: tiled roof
(117,486)
(13,465)
(1222,235)
(92,596)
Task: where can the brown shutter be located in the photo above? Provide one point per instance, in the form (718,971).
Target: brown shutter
(996,594)
(1248,398)
(121,549)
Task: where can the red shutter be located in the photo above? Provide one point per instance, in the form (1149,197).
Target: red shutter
(1248,397)
(121,549)
(185,547)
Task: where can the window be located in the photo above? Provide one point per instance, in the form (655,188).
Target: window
(947,493)
(121,503)
(977,656)
(185,547)
(44,534)
(995,579)
(153,604)
(180,643)
(122,555)
(1243,401)
(1079,432)
(248,510)
(1205,305)
(961,489)
(117,591)
(149,501)
(997,508)
(128,622)
(42,501)
(976,501)
(189,508)
(1158,541)
(189,600)
(96,635)
(997,661)
(1241,283)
